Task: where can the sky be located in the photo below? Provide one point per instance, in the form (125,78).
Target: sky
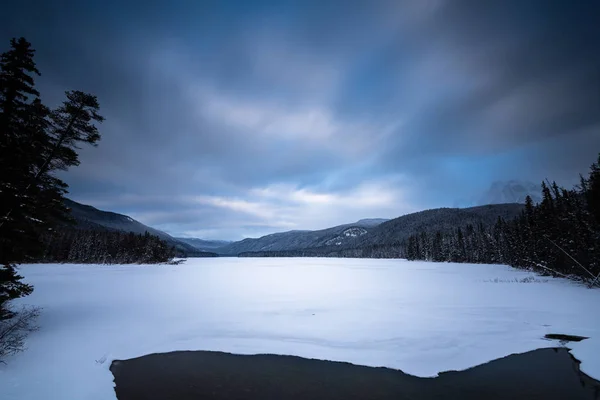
(233,119)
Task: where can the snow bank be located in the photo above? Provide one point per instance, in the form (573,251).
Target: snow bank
(419,317)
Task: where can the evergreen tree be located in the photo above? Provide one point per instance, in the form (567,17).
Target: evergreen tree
(34,142)
(560,235)
(68,244)
(592,193)
(16,152)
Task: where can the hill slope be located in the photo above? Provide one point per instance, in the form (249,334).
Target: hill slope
(388,239)
(439,219)
(89,217)
(293,240)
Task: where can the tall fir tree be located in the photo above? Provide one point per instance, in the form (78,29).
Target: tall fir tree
(34,142)
(593,191)
(17,71)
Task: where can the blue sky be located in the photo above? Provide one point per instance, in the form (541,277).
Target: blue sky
(237,119)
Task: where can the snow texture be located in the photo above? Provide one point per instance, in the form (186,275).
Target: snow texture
(350,232)
(422,318)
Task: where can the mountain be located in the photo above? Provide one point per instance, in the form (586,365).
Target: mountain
(513,191)
(439,219)
(89,217)
(362,234)
(85,214)
(204,245)
(386,239)
(293,240)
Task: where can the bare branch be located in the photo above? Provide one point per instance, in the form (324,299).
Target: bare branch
(574,260)
(13,331)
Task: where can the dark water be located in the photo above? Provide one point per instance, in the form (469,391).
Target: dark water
(184,375)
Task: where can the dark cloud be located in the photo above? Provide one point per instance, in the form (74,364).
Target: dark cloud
(213,106)
(528,70)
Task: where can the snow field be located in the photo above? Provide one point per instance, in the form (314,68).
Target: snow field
(422,318)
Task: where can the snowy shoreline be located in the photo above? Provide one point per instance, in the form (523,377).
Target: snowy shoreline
(418,317)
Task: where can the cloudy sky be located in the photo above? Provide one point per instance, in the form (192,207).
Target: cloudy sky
(232,119)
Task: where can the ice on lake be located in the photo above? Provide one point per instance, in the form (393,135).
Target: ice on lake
(420,317)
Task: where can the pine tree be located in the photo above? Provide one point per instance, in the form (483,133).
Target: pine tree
(460,246)
(436,248)
(593,191)
(34,142)
(17,69)
(72,123)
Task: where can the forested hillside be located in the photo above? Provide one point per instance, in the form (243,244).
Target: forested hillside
(340,235)
(104,247)
(91,218)
(389,239)
(400,229)
(560,234)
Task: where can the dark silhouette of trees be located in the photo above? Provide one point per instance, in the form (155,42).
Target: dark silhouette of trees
(559,236)
(104,247)
(34,142)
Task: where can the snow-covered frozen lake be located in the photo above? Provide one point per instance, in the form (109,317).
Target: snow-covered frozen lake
(419,317)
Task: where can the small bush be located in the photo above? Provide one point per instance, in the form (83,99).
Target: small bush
(13,331)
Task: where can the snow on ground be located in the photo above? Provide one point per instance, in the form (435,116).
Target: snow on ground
(419,317)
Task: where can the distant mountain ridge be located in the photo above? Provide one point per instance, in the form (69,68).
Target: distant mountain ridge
(387,237)
(204,245)
(503,192)
(513,191)
(292,240)
(438,219)
(108,219)
(89,217)
(344,239)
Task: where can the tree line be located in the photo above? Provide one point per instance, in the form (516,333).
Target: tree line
(104,247)
(560,235)
(383,250)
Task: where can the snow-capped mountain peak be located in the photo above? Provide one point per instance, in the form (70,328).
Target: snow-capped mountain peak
(513,191)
